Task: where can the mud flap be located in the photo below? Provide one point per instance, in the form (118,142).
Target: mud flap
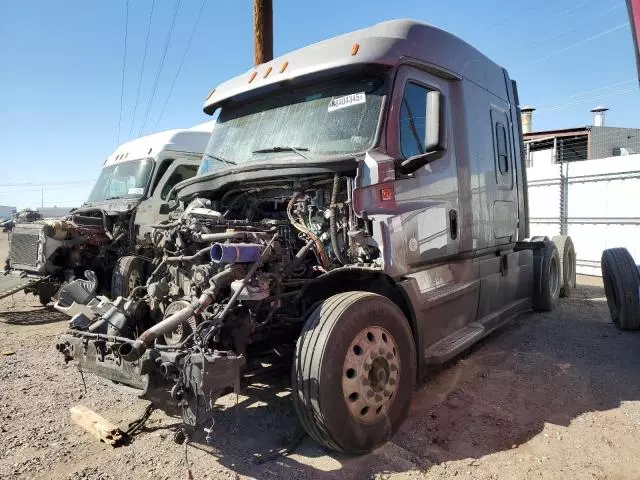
(13,282)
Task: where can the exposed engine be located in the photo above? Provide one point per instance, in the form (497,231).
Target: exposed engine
(227,290)
(54,252)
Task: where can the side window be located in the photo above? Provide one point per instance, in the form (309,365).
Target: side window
(502,150)
(412,117)
(162,169)
(182,172)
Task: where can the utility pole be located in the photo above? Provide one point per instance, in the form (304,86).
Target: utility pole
(262,31)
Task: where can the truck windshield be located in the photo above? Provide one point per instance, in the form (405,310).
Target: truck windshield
(332,118)
(122,180)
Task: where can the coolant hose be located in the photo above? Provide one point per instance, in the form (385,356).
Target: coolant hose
(333,222)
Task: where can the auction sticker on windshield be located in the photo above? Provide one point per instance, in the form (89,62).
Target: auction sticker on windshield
(346,101)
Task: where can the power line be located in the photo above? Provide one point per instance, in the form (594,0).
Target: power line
(564,32)
(124,65)
(555,16)
(164,54)
(605,87)
(184,55)
(46,189)
(582,42)
(30,184)
(509,21)
(621,91)
(144,59)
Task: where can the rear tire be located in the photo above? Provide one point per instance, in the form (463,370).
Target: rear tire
(127,274)
(567,264)
(546,277)
(621,280)
(354,372)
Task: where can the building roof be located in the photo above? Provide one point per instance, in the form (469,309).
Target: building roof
(385,43)
(563,132)
(192,140)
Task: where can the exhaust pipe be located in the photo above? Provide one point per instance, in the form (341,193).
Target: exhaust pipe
(132,352)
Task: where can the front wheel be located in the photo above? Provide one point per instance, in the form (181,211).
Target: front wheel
(354,372)
(127,275)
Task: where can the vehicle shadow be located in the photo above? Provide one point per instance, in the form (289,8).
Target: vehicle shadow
(542,368)
(40,316)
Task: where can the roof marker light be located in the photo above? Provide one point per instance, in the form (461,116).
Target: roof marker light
(283,67)
(266,74)
(355,48)
(252,76)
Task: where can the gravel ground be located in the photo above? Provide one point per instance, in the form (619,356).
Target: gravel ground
(549,396)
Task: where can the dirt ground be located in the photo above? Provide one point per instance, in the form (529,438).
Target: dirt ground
(552,396)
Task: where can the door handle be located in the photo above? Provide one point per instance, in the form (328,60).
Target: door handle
(453,224)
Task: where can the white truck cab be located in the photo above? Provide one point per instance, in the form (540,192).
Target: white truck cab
(143,172)
(115,221)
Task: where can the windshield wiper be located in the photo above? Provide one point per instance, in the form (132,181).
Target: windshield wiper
(297,150)
(220,159)
(117,197)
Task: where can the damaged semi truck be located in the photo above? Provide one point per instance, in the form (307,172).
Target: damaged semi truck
(360,213)
(110,234)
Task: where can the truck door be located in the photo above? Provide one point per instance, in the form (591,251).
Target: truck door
(427,199)
(505,220)
(179,169)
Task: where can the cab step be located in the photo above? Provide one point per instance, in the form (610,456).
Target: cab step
(450,346)
(449,292)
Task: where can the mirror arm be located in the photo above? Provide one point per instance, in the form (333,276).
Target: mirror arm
(411,164)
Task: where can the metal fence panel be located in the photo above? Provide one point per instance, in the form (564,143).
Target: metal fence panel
(601,206)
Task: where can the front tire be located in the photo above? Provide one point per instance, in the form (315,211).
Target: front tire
(127,274)
(354,372)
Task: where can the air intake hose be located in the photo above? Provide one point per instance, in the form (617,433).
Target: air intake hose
(235,252)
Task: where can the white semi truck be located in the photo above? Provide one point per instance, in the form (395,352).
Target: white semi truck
(110,233)
(360,213)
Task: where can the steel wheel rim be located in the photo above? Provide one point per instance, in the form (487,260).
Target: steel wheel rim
(371,374)
(134,280)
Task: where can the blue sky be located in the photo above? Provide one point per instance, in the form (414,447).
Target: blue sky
(60,81)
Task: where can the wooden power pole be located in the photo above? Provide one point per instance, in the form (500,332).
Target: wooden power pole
(262,31)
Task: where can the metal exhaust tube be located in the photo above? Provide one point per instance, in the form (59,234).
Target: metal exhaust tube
(131,352)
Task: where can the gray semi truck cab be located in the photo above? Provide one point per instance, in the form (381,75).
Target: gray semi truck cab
(360,213)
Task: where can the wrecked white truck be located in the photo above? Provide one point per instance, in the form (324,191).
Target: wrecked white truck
(360,213)
(110,234)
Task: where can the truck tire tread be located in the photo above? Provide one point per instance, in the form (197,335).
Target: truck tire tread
(311,348)
(621,280)
(567,253)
